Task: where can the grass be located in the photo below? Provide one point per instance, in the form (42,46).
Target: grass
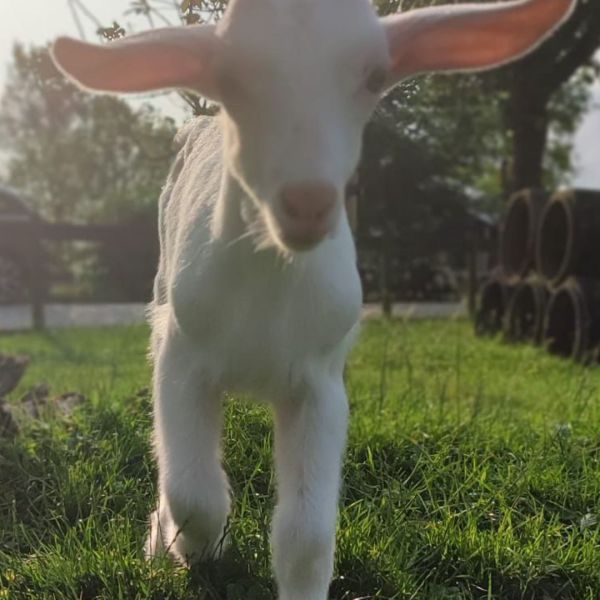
(472,473)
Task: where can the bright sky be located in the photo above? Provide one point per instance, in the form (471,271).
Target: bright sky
(39,21)
(587,146)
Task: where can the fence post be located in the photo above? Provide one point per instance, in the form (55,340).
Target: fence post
(37,278)
(472,267)
(386,294)
(386,240)
(37,310)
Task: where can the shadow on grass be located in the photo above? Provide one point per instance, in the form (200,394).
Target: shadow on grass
(231,578)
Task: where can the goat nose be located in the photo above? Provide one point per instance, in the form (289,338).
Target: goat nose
(308,202)
(307,209)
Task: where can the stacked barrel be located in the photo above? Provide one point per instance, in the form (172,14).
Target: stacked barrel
(547,287)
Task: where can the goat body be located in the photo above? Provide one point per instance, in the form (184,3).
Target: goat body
(262,317)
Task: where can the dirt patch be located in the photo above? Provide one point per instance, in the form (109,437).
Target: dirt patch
(37,403)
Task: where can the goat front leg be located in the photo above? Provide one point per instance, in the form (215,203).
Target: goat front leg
(194,496)
(310,435)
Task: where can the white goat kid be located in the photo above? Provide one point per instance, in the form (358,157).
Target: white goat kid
(257,288)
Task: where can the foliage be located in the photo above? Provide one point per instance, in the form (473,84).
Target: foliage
(452,131)
(566,108)
(471,473)
(80,157)
(448,136)
(480,125)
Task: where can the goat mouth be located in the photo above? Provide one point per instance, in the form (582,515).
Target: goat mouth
(293,237)
(302,237)
(300,243)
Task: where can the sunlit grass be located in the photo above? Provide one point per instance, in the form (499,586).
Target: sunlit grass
(472,472)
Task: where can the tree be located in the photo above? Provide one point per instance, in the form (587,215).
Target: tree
(536,114)
(81,158)
(538,96)
(516,125)
(77,156)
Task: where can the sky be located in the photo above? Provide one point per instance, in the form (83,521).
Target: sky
(34,22)
(39,21)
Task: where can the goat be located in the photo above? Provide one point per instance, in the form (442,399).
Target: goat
(257,287)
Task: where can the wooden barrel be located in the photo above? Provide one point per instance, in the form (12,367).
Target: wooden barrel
(569,236)
(572,321)
(526,310)
(519,233)
(493,298)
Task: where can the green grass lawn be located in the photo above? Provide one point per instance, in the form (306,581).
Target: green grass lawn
(472,472)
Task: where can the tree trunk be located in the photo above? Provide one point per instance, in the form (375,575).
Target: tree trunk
(528,121)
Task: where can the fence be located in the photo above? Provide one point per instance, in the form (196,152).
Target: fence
(131,249)
(389,270)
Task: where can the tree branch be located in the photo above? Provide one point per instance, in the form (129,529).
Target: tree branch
(580,53)
(546,69)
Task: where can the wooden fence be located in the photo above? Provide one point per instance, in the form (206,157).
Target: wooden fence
(131,251)
(23,239)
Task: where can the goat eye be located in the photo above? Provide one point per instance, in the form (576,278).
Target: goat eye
(375,82)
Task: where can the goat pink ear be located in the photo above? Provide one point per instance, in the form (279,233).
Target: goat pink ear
(465,37)
(173,57)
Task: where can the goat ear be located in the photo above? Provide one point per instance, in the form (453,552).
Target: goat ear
(173,57)
(470,37)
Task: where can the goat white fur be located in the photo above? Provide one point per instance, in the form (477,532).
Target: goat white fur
(257,288)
